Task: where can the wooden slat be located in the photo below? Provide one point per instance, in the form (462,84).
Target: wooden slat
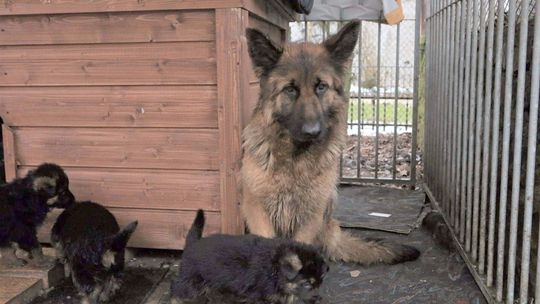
(119,148)
(156,229)
(271,30)
(108,28)
(232,81)
(27,7)
(9,153)
(155,189)
(131,106)
(275,11)
(109,64)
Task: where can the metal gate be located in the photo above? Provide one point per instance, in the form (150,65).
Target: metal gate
(382,117)
(482,91)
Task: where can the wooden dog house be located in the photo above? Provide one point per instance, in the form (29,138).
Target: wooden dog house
(142,102)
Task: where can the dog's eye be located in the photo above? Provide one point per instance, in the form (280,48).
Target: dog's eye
(321,88)
(291,91)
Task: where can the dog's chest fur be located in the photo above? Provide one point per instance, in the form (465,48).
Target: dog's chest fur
(293,187)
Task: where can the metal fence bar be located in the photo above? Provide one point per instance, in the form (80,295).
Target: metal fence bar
(454,102)
(505,146)
(533,129)
(495,144)
(466,126)
(359,106)
(378,100)
(479,218)
(450,93)
(415,89)
(460,189)
(486,151)
(471,208)
(394,154)
(478,111)
(446,110)
(516,166)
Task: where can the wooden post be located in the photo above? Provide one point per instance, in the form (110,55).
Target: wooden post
(232,85)
(9,153)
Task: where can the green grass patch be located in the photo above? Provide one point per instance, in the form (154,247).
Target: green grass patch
(387,110)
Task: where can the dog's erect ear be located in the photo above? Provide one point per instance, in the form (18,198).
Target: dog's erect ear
(264,54)
(341,45)
(290,265)
(121,239)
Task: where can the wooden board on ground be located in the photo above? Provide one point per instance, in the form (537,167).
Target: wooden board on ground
(18,290)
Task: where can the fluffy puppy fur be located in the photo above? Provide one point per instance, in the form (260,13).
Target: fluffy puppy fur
(24,204)
(246,269)
(89,242)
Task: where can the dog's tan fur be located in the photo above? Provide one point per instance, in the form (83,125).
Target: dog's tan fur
(288,193)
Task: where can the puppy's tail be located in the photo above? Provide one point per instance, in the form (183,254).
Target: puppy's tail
(341,245)
(196,230)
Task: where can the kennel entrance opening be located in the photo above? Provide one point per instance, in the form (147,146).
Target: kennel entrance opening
(383,103)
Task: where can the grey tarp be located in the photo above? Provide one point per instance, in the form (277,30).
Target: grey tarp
(338,10)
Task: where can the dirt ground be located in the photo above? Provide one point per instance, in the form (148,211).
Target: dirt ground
(386,156)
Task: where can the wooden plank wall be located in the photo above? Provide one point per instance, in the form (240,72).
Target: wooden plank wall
(142,104)
(127,103)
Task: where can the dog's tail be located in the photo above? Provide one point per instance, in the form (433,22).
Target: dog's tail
(341,245)
(196,230)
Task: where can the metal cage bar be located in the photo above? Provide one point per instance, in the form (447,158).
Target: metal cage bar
(482,74)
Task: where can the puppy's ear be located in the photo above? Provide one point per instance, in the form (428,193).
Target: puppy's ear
(264,54)
(290,265)
(341,45)
(121,239)
(117,244)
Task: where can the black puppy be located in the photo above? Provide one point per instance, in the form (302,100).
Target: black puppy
(24,204)
(246,269)
(88,240)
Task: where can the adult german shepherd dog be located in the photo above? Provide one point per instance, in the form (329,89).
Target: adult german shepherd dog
(292,147)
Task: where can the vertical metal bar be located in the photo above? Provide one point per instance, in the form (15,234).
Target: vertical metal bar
(478,140)
(359,101)
(485,149)
(516,166)
(533,129)
(493,179)
(305,30)
(531,164)
(472,212)
(466,126)
(445,112)
(450,107)
(462,143)
(455,100)
(427,92)
(378,100)
(437,113)
(418,19)
(505,145)
(394,154)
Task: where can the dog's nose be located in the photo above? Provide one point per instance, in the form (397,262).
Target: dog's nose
(312,128)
